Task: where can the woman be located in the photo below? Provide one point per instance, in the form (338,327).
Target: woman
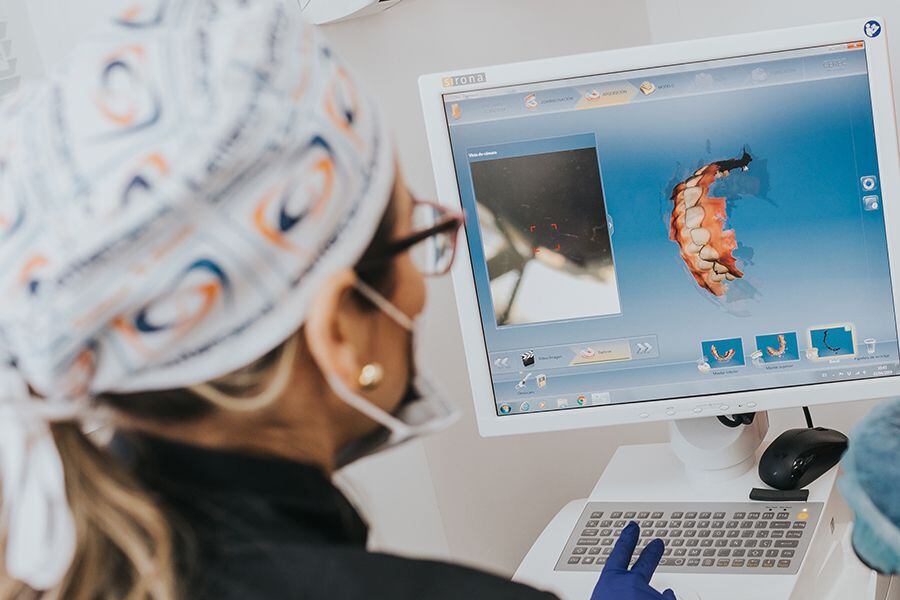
(206,246)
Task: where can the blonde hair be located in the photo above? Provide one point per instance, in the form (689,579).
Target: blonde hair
(125,547)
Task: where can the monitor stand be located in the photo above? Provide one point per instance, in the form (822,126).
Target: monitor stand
(705,461)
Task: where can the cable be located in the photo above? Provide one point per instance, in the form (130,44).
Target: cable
(737,420)
(809,421)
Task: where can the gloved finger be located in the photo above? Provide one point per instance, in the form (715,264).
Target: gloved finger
(647,562)
(622,552)
(669,595)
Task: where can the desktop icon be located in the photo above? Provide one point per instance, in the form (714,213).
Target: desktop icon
(873,29)
(647,88)
(724,353)
(582,400)
(531,102)
(600,398)
(521,385)
(541,380)
(562,403)
(542,405)
(592,95)
(778,347)
(869,183)
(870,345)
(757,359)
(759,75)
(834,341)
(455,111)
(525,407)
(505,409)
(703,366)
(871,203)
(528,358)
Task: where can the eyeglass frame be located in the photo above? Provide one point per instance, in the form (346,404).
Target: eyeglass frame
(451,222)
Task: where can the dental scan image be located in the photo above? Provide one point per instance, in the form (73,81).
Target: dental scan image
(679,231)
(545,228)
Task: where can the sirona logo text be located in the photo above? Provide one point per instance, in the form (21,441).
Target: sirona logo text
(457,80)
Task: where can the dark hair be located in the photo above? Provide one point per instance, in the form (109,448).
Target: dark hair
(169,406)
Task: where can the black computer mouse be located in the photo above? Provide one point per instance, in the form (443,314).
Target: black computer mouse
(798,457)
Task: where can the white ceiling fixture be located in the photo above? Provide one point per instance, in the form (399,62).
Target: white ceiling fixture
(329,11)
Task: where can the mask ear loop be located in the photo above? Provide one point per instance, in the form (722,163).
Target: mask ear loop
(273,391)
(382,303)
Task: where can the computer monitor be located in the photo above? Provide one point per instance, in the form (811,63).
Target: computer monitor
(676,231)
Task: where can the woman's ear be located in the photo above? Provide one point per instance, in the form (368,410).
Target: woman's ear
(328,328)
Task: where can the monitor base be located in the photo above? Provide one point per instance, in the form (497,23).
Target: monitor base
(712,452)
(654,473)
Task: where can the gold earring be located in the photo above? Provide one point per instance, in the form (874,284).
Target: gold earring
(371,376)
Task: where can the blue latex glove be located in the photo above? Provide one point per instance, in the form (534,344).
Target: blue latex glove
(618,583)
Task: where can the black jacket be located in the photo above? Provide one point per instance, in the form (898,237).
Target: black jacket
(251,527)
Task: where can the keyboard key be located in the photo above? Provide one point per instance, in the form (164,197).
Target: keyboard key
(709,552)
(721,543)
(693,562)
(643,515)
(594,551)
(665,562)
(662,532)
(737,563)
(799,525)
(590,532)
(732,525)
(768,563)
(734,543)
(695,552)
(588,541)
(786,543)
(784,564)
(704,533)
(593,523)
(678,562)
(690,533)
(690,524)
(787,553)
(753,515)
(605,532)
(587,560)
(615,515)
(706,543)
(601,560)
(747,533)
(793,535)
(676,524)
(723,552)
(646,532)
(708,562)
(732,534)
(607,542)
(657,515)
(750,543)
(719,533)
(784,515)
(692,542)
(718,524)
(768,515)
(760,525)
(662,524)
(597,514)
(677,515)
(746,524)
(776,535)
(705,515)
(606,523)
(755,553)
(676,533)
(629,515)
(607,551)
(780,525)
(579,550)
(762,534)
(574,560)
(646,523)
(772,553)
(739,552)
(667,552)
(719,515)
(690,515)
(765,543)
(620,523)
(677,542)
(703,524)
(739,515)
(753,563)
(683,551)
(723,562)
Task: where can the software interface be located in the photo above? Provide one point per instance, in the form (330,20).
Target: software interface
(679,231)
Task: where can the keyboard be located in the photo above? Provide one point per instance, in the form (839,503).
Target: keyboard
(721,538)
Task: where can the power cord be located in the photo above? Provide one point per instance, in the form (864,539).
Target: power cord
(809,421)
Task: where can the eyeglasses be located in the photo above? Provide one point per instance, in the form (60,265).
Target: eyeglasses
(432,247)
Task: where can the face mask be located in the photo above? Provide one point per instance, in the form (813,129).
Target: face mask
(422,412)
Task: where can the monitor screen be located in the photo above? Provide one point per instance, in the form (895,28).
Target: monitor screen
(679,231)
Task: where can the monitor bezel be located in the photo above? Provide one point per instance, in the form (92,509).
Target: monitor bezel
(432,90)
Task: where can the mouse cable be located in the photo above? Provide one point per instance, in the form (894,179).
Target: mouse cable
(809,421)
